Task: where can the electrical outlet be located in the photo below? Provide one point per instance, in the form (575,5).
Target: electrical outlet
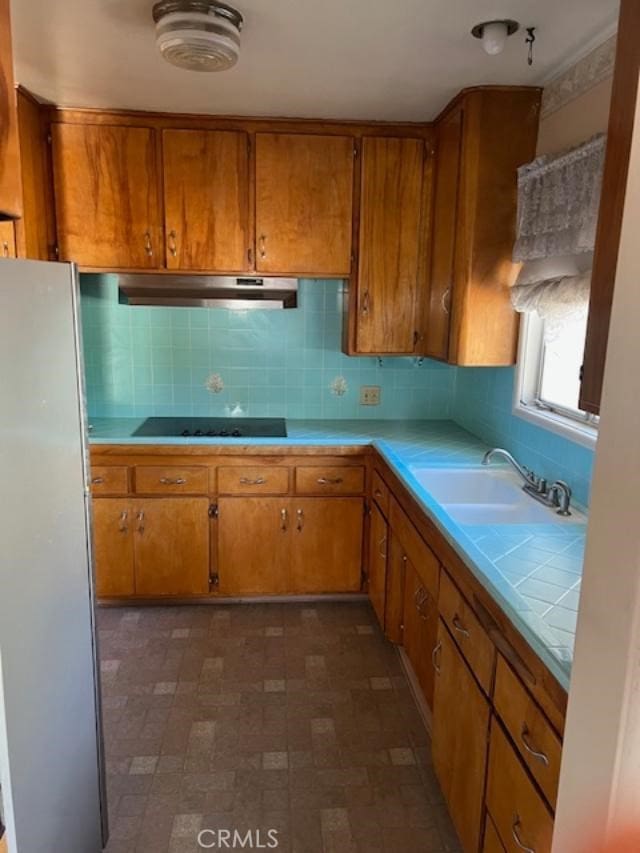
(369,395)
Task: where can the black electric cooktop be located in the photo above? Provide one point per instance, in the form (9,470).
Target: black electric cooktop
(213,427)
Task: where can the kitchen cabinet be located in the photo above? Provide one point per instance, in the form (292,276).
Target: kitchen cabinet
(389,245)
(206,200)
(304,203)
(492,843)
(378,554)
(10,185)
(420,629)
(172,546)
(481,139)
(520,815)
(461,716)
(7,240)
(107,196)
(113,538)
(394,592)
(301,545)
(614,183)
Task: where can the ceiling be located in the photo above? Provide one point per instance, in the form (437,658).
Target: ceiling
(362,59)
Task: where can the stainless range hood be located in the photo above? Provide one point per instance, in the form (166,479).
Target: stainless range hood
(206,291)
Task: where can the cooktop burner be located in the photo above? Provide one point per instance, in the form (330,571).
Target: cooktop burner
(213,427)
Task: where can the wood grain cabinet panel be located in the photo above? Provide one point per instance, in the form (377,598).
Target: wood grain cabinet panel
(253,480)
(304,203)
(171,479)
(113,527)
(326,545)
(106,196)
(329,480)
(420,629)
(378,554)
(519,813)
(380,493)
(10,183)
(459,740)
(492,843)
(206,200)
(109,479)
(171,540)
(253,545)
(394,591)
(389,244)
(7,240)
(538,745)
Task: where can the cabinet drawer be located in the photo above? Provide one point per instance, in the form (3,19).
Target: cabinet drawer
(472,639)
(157,480)
(329,480)
(256,480)
(109,480)
(380,493)
(519,813)
(537,743)
(492,843)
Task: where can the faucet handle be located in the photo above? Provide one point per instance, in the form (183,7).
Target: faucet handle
(541,485)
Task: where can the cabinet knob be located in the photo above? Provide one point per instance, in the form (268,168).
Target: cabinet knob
(284,519)
(5,249)
(148,245)
(364,308)
(434,658)
(459,627)
(123,527)
(140,521)
(169,481)
(246,481)
(444,300)
(329,481)
(515,832)
(173,247)
(526,742)
(300,520)
(262,244)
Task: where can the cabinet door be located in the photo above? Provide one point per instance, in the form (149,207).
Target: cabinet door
(420,629)
(7,240)
(253,545)
(445,226)
(378,542)
(10,186)
(172,546)
(113,524)
(459,744)
(394,600)
(389,245)
(304,202)
(326,545)
(106,192)
(206,200)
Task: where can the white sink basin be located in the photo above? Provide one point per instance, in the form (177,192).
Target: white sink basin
(483,496)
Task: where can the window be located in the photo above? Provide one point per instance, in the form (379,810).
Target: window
(548,379)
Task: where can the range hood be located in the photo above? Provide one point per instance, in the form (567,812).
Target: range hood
(207,291)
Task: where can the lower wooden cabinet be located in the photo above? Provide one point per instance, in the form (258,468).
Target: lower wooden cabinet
(275,545)
(7,240)
(154,547)
(492,843)
(378,551)
(420,629)
(461,716)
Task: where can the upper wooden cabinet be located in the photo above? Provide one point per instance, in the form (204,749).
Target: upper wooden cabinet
(481,139)
(389,245)
(106,196)
(35,233)
(10,185)
(304,203)
(614,184)
(206,200)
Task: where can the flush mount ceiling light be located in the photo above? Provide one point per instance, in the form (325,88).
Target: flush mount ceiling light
(494,34)
(200,35)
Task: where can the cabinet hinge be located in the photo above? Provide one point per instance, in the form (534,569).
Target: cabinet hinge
(213,511)
(214,579)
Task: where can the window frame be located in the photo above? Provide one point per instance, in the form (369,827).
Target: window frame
(577,426)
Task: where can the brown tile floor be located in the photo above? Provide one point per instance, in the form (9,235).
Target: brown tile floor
(292,717)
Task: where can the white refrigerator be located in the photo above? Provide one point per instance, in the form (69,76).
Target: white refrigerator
(51,764)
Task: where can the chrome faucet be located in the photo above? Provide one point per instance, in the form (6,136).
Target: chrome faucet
(557,495)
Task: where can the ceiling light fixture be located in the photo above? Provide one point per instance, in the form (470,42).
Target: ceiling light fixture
(494,34)
(199,35)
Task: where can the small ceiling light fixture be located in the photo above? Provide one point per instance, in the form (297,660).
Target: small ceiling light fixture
(199,35)
(494,34)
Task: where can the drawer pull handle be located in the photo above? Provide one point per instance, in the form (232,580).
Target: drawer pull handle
(420,598)
(434,658)
(283,519)
(141,522)
(97,481)
(246,481)
(300,522)
(524,737)
(169,481)
(382,545)
(459,627)
(329,481)
(377,493)
(515,831)
(123,527)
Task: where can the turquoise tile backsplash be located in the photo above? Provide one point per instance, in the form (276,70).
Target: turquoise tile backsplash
(483,402)
(156,361)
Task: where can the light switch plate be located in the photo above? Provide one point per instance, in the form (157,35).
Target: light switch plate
(369,395)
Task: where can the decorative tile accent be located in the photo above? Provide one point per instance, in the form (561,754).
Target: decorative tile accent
(586,73)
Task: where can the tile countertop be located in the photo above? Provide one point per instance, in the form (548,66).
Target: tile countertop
(532,570)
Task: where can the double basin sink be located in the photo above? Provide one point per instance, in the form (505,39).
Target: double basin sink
(485,496)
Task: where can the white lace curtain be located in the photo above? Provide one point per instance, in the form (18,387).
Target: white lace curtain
(558,202)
